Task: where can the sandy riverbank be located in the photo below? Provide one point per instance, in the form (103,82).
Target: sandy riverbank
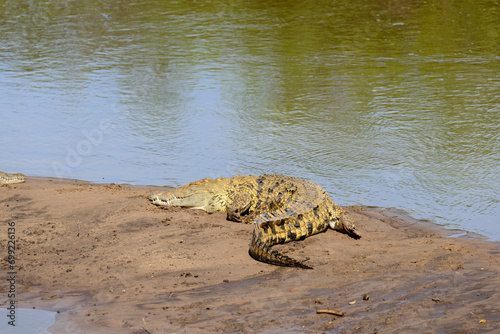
(110,262)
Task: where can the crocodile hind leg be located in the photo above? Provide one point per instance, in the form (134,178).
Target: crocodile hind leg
(262,252)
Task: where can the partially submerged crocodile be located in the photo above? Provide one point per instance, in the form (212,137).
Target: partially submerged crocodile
(8,178)
(282,209)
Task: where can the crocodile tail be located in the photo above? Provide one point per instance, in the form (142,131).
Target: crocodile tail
(262,252)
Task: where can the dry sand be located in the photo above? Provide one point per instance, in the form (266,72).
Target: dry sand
(111,262)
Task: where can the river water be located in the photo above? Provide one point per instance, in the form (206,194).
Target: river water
(384,103)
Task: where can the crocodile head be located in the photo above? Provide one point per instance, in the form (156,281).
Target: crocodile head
(205,195)
(345,225)
(9,178)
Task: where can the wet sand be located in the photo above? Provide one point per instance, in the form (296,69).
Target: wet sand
(110,262)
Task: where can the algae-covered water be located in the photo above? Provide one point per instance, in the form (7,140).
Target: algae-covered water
(387,103)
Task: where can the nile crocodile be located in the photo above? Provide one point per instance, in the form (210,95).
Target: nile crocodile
(282,209)
(8,178)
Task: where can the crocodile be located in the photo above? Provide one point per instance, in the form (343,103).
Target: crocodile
(282,209)
(9,178)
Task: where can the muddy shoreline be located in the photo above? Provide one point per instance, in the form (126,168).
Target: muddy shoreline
(110,262)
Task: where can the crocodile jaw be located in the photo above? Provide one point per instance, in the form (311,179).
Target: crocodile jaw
(155,199)
(196,200)
(206,194)
(8,178)
(171,199)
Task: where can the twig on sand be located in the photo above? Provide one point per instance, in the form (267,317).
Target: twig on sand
(145,326)
(329,311)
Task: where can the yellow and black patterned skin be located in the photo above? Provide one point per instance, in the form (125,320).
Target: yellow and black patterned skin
(282,209)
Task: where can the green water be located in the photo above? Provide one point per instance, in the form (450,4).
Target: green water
(388,103)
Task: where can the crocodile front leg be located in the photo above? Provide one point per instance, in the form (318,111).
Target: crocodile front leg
(239,208)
